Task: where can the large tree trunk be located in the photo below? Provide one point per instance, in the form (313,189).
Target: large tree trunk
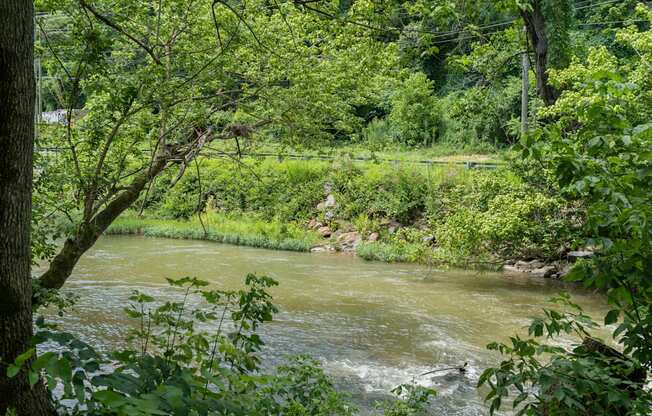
(88,232)
(536,28)
(16,146)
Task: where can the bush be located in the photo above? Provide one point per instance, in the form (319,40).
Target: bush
(476,215)
(482,114)
(414,111)
(497,216)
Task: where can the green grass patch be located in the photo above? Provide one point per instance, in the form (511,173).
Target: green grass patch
(393,252)
(221,228)
(442,152)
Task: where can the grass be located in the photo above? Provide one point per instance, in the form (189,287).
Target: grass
(401,252)
(393,252)
(442,152)
(220,228)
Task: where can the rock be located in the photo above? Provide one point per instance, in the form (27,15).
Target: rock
(534,268)
(428,239)
(321,206)
(350,236)
(564,271)
(328,188)
(322,249)
(314,224)
(580,254)
(325,231)
(373,237)
(545,271)
(393,226)
(348,241)
(329,215)
(528,266)
(510,268)
(330,201)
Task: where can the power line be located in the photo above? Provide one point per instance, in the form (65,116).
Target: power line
(614,22)
(598,4)
(444,34)
(491,25)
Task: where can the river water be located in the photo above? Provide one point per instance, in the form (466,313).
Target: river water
(372,325)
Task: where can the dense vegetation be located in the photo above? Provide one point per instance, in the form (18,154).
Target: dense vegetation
(149,90)
(446,214)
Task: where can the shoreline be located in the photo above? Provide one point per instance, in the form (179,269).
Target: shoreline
(311,243)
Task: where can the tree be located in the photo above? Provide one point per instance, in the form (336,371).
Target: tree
(547,23)
(149,102)
(599,152)
(159,83)
(16,144)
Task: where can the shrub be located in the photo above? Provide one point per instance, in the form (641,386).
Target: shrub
(495,215)
(414,114)
(477,214)
(481,114)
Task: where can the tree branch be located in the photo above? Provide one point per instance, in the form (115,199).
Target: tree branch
(118,28)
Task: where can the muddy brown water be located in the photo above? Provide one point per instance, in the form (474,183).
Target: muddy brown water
(372,325)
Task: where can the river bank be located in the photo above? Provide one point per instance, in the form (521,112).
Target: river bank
(438,215)
(243,231)
(220,229)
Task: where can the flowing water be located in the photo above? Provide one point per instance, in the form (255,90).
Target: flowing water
(372,325)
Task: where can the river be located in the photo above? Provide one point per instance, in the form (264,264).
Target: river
(372,325)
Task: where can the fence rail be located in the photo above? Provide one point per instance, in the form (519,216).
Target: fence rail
(282,156)
(467,164)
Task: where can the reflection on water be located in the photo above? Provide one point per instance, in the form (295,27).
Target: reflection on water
(373,325)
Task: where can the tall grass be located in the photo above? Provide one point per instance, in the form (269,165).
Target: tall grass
(394,252)
(221,228)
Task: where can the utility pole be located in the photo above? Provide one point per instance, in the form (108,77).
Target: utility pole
(526,85)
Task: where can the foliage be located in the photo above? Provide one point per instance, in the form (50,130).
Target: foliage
(196,354)
(482,114)
(606,162)
(414,401)
(414,111)
(599,152)
(473,215)
(515,225)
(221,228)
(392,251)
(588,379)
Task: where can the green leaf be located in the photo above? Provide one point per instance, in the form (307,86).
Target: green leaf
(24,357)
(12,370)
(109,398)
(33,377)
(611,317)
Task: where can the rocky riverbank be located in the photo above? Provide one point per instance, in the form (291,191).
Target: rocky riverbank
(549,270)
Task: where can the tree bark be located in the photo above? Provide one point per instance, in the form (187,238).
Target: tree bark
(536,29)
(16,146)
(88,232)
